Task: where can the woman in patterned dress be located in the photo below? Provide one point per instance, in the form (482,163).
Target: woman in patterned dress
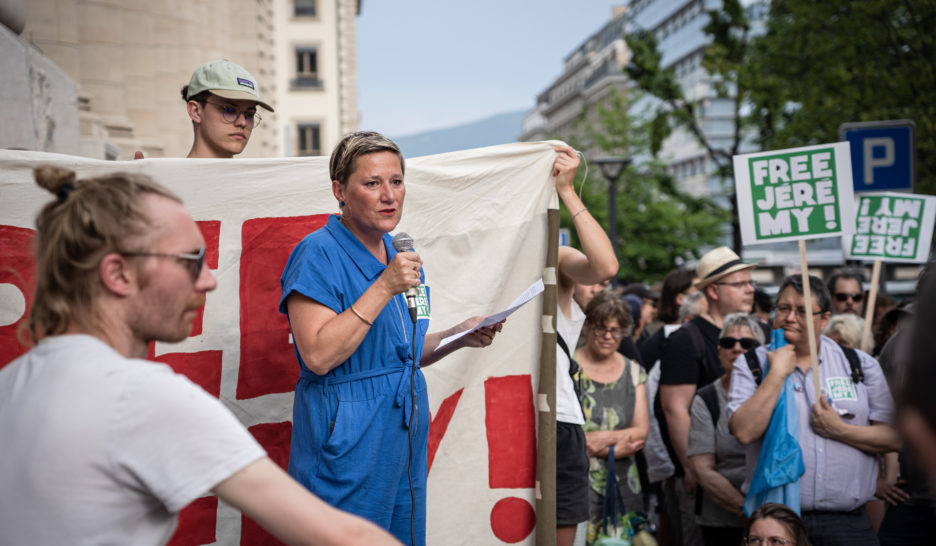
(614,403)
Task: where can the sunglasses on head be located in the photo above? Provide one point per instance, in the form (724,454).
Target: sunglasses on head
(844,296)
(747,343)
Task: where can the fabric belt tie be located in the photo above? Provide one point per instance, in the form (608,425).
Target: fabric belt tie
(401,399)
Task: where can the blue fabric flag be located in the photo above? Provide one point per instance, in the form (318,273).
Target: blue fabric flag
(780,464)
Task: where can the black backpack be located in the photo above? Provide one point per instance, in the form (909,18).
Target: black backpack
(574,367)
(854,361)
(709,395)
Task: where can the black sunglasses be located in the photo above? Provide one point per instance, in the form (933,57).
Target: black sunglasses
(843,296)
(747,343)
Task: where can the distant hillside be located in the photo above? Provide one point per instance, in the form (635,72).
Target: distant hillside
(498,129)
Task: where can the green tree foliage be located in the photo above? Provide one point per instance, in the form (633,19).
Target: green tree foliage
(658,224)
(822,63)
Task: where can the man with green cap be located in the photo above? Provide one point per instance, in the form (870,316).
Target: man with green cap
(222,100)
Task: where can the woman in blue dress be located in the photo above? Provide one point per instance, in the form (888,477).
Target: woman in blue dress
(361,413)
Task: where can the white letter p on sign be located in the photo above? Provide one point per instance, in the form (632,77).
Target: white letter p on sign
(871,162)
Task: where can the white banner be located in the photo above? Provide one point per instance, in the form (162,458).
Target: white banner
(478,218)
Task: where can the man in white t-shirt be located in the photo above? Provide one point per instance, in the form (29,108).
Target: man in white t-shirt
(101,446)
(596,263)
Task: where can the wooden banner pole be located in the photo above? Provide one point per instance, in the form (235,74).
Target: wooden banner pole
(810,327)
(869,307)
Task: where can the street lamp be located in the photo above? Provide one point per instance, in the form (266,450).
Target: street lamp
(612,168)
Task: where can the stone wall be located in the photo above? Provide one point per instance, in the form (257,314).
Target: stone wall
(40,102)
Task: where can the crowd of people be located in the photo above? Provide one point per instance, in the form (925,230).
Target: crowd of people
(680,388)
(691,407)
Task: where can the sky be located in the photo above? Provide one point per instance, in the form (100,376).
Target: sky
(429,64)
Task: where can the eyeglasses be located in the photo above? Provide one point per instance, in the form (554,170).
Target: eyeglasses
(739,284)
(616,333)
(747,343)
(784,310)
(193,262)
(230,114)
(845,296)
(772,541)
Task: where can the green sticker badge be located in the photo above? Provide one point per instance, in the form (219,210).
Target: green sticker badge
(422,302)
(841,388)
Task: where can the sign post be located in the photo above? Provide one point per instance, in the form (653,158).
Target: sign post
(794,195)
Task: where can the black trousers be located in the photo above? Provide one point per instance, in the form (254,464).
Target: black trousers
(721,536)
(906,525)
(840,528)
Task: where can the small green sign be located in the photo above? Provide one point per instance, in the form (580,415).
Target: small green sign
(422,303)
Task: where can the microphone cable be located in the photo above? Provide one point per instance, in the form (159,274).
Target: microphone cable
(412,422)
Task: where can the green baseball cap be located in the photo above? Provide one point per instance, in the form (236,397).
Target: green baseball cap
(225,79)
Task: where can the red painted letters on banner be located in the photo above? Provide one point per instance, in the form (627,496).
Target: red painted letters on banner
(17,273)
(267,364)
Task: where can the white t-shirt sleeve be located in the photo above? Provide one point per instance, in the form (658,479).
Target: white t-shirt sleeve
(174,439)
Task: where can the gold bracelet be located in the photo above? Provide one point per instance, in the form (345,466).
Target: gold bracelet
(579,212)
(360,316)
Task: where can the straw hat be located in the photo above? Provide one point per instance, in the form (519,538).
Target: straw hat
(717,264)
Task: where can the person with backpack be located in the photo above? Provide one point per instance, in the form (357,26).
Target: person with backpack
(689,362)
(715,456)
(839,430)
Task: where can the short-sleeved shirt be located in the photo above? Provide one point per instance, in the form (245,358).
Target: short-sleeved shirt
(682,364)
(704,438)
(838,476)
(332,267)
(102,449)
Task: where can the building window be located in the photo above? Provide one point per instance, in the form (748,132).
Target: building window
(304,8)
(306,68)
(310,139)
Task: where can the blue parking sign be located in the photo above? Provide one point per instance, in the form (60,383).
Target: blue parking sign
(882,154)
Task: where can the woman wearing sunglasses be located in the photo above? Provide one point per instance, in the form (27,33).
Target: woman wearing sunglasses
(714,454)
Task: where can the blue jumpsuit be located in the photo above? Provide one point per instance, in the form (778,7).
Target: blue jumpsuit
(350,436)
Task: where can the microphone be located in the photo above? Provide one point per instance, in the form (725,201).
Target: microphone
(402,242)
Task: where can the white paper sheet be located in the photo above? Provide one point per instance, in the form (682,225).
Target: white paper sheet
(534,290)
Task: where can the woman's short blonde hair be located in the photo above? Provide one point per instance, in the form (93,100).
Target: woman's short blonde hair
(353,146)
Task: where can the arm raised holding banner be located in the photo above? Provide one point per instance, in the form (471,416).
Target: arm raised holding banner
(595,263)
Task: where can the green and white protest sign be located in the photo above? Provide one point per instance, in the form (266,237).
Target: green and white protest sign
(892,227)
(795,194)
